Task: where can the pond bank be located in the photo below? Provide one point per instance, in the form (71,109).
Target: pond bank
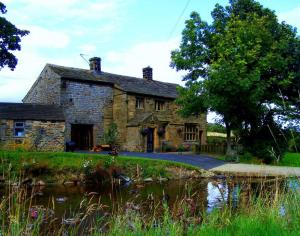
(216,166)
(74,168)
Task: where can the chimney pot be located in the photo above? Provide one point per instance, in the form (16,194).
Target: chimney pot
(148,73)
(95,64)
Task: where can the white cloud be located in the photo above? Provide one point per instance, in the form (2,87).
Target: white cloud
(87,49)
(155,54)
(90,10)
(72,8)
(15,84)
(291,17)
(42,37)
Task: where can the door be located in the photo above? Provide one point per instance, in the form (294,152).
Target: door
(150,140)
(82,135)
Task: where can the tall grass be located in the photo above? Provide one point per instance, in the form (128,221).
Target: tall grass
(274,212)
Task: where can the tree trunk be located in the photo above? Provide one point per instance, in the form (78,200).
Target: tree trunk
(228,140)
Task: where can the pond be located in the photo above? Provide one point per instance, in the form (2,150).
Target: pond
(209,193)
(201,195)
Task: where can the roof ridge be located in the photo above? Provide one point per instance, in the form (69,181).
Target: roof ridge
(67,67)
(127,83)
(109,73)
(139,78)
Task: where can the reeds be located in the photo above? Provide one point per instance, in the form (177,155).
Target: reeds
(269,211)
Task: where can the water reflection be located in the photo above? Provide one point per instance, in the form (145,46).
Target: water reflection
(206,194)
(217,194)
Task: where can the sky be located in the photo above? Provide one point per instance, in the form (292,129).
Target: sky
(127,34)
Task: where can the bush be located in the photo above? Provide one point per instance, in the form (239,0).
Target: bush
(268,142)
(247,156)
(294,142)
(112,135)
(36,169)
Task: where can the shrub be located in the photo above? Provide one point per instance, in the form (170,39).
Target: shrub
(247,156)
(268,142)
(294,142)
(112,135)
(36,169)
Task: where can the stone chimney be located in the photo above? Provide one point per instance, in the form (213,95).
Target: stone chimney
(95,64)
(147,73)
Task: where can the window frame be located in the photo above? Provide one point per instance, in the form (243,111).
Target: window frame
(160,105)
(191,132)
(139,102)
(19,127)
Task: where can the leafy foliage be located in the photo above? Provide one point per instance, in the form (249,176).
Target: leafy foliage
(212,127)
(112,134)
(242,66)
(10,39)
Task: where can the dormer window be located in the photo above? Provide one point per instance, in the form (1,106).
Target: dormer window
(139,103)
(159,105)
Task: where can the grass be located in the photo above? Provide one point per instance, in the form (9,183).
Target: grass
(261,215)
(270,214)
(291,159)
(242,159)
(46,163)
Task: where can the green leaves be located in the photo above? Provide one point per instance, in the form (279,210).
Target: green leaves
(10,39)
(237,65)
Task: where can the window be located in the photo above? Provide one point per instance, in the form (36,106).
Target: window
(139,103)
(159,105)
(190,132)
(19,129)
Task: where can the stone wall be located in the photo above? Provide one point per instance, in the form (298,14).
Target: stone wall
(174,134)
(135,141)
(46,89)
(100,105)
(39,135)
(120,115)
(86,103)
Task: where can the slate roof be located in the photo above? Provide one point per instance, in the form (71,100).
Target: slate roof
(126,83)
(26,111)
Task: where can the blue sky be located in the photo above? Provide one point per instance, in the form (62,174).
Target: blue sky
(128,35)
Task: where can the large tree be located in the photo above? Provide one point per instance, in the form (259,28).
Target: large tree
(240,65)
(10,38)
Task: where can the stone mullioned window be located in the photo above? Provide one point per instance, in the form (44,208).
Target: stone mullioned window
(139,103)
(190,132)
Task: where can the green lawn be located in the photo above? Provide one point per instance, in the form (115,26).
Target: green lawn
(76,162)
(291,159)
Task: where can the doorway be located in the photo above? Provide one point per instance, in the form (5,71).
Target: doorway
(150,140)
(82,135)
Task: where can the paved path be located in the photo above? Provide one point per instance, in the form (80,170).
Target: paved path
(212,164)
(202,161)
(254,170)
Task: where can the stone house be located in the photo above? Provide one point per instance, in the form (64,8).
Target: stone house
(143,108)
(38,126)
